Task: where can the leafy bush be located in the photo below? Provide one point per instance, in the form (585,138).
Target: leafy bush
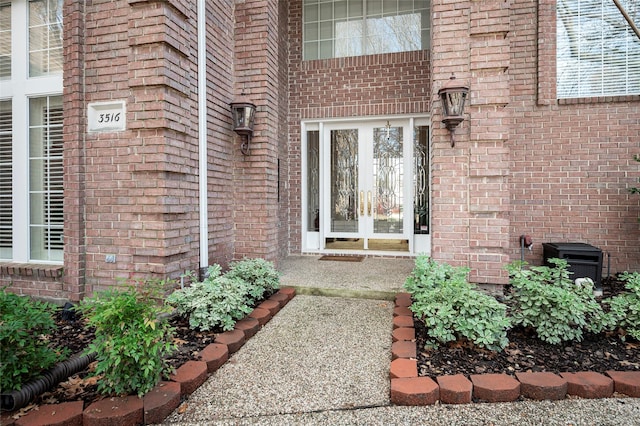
(131,341)
(260,275)
(625,308)
(546,299)
(218,301)
(428,273)
(452,308)
(24,325)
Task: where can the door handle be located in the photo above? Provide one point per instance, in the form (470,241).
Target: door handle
(369,203)
(361,203)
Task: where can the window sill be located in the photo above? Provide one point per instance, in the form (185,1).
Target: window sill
(31,270)
(599,99)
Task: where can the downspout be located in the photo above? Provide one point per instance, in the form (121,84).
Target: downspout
(202,134)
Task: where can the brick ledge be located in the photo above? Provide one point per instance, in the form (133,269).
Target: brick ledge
(31,270)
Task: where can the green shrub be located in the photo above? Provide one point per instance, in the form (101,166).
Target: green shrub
(546,299)
(218,301)
(625,308)
(452,308)
(131,340)
(260,275)
(24,326)
(428,273)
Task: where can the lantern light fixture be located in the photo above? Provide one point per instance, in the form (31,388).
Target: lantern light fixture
(243,112)
(453,95)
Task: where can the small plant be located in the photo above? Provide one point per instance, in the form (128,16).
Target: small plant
(24,326)
(546,299)
(218,301)
(625,308)
(260,275)
(428,273)
(131,341)
(453,308)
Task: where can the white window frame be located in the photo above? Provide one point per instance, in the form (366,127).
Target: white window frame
(364,20)
(19,89)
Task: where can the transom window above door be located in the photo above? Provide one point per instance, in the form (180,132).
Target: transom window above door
(340,28)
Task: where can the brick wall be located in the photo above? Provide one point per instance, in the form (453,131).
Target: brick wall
(571,161)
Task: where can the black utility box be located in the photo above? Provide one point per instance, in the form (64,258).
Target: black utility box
(585,261)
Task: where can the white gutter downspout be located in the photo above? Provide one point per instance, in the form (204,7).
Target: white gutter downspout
(202,134)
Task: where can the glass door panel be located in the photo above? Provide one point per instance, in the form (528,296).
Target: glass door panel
(388,180)
(344,180)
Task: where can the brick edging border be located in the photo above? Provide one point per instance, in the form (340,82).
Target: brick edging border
(162,400)
(407,388)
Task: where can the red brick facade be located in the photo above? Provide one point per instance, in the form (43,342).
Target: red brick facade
(523,162)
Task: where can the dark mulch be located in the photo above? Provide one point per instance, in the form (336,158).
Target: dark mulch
(525,352)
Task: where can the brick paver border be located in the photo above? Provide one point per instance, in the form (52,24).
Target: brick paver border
(458,389)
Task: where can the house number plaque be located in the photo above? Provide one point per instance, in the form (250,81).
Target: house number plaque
(107,116)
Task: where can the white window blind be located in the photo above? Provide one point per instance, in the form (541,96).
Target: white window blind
(5,40)
(598,54)
(45,178)
(6,171)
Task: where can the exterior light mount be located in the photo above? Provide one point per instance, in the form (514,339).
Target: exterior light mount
(243,112)
(453,95)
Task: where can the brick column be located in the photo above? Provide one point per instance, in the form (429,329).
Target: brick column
(489,195)
(470,189)
(162,78)
(450,44)
(260,68)
(74,152)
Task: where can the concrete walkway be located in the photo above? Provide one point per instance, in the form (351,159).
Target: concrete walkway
(325,361)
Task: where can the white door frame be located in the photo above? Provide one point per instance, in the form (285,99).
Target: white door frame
(314,241)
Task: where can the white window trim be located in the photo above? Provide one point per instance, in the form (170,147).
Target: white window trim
(19,90)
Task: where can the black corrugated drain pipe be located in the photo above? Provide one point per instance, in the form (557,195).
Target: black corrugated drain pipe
(19,398)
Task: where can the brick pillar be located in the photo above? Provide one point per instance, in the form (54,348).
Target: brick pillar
(162,79)
(74,153)
(261,74)
(141,183)
(489,195)
(470,187)
(450,46)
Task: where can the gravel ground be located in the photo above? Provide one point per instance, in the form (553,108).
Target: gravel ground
(317,354)
(601,412)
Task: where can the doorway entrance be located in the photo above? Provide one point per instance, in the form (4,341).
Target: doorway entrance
(366,186)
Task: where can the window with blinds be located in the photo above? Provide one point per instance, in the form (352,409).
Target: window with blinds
(6,172)
(5,40)
(46,178)
(598,54)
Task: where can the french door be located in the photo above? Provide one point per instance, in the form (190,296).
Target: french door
(367,186)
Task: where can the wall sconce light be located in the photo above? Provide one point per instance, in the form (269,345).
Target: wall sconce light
(243,112)
(453,96)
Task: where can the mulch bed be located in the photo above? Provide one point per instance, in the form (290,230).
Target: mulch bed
(602,352)
(76,336)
